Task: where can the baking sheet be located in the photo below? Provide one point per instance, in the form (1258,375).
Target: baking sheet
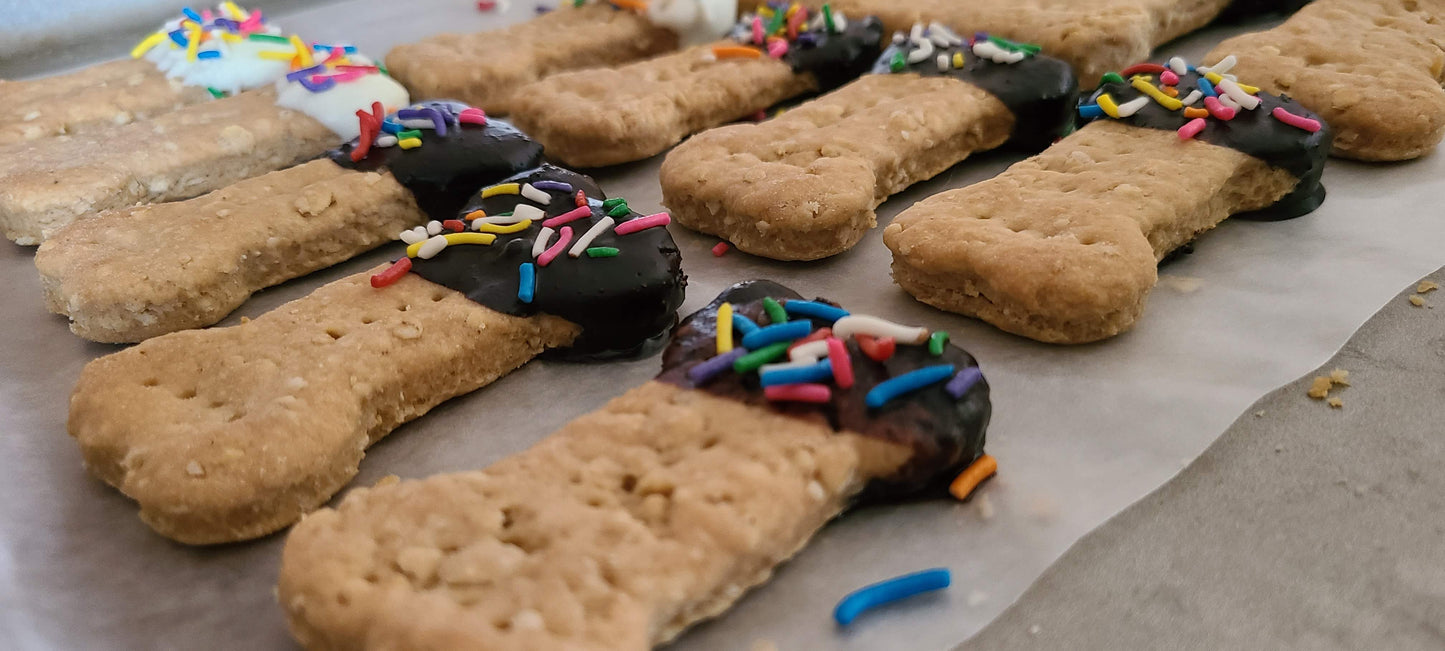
(1080,432)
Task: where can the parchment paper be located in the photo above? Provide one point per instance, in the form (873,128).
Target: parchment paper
(1080,432)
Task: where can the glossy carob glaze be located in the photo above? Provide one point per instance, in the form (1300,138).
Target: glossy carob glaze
(833,58)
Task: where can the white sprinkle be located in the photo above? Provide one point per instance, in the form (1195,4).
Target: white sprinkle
(937,31)
(1225,65)
(417,123)
(1133,106)
(816,491)
(432,247)
(1192,97)
(386,140)
(996,54)
(536,195)
(414,235)
(840,22)
(811,351)
(524,211)
(433,227)
(872,325)
(923,49)
(783,366)
(1245,100)
(898,39)
(1178,65)
(540,244)
(602,226)
(1228,101)
(916,34)
(943,63)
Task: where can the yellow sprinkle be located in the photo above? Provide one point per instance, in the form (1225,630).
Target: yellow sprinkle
(1214,78)
(792,10)
(302,52)
(272,55)
(724,328)
(231,38)
(409,143)
(958,59)
(509,228)
(193,43)
(1107,103)
(236,12)
(1149,89)
(765,12)
(469,238)
(413,248)
(501,188)
(146,45)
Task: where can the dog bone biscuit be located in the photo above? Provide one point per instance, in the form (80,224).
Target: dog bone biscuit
(804,185)
(1063,247)
(607,116)
(108,276)
(188,152)
(227,434)
(486,69)
(633,522)
(1371,68)
(170,76)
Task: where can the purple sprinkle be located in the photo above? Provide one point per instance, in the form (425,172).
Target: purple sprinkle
(963,381)
(711,368)
(980,36)
(313,70)
(553,185)
(542,9)
(409,114)
(807,38)
(437,119)
(316,87)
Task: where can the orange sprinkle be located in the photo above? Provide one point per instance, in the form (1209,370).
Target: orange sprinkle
(1170,91)
(1192,112)
(475,214)
(635,5)
(982,468)
(735,52)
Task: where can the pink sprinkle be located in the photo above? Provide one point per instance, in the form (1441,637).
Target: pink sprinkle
(777,48)
(563,239)
(340,77)
(841,362)
(1169,78)
(472,116)
(760,116)
(570,216)
(641,223)
(1191,128)
(253,22)
(719,249)
(486,5)
(758,30)
(802,392)
(1295,120)
(1217,109)
(206,15)
(581,198)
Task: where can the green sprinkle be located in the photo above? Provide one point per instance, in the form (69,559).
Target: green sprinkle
(413,133)
(504,214)
(936,342)
(776,313)
(1111,78)
(751,361)
(602,252)
(1010,45)
(613,202)
(898,63)
(578,3)
(777,22)
(382,68)
(270,38)
(619,210)
(215,93)
(828,18)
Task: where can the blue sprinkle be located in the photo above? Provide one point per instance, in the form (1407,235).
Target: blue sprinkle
(886,592)
(209,54)
(1207,88)
(711,368)
(743,326)
(815,373)
(907,383)
(815,310)
(1090,111)
(390,125)
(191,13)
(961,383)
(179,37)
(526,282)
(775,333)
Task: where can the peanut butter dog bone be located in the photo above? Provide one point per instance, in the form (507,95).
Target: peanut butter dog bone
(88,100)
(231,433)
(804,185)
(1372,68)
(486,69)
(131,274)
(624,527)
(603,117)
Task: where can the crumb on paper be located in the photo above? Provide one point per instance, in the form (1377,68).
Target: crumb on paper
(1426,286)
(976,597)
(1336,402)
(1278,449)
(245,320)
(1181,284)
(1417,301)
(386,481)
(1043,509)
(1320,388)
(985,507)
(1035,629)
(1340,376)
(1259,414)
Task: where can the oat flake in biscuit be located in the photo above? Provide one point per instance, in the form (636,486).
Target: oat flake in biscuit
(804,184)
(661,508)
(228,434)
(1063,247)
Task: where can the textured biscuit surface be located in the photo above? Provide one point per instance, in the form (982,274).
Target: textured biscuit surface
(106,94)
(603,117)
(1093,36)
(1371,68)
(486,69)
(231,433)
(804,185)
(128,275)
(616,532)
(48,183)
(1063,247)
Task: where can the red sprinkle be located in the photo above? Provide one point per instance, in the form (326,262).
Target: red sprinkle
(454,225)
(486,5)
(1142,68)
(721,247)
(802,392)
(795,21)
(841,362)
(368,133)
(392,273)
(877,350)
(820,333)
(581,198)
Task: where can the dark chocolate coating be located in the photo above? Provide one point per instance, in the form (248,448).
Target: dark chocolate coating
(624,304)
(833,59)
(446,171)
(1256,132)
(1246,9)
(1040,91)
(946,435)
